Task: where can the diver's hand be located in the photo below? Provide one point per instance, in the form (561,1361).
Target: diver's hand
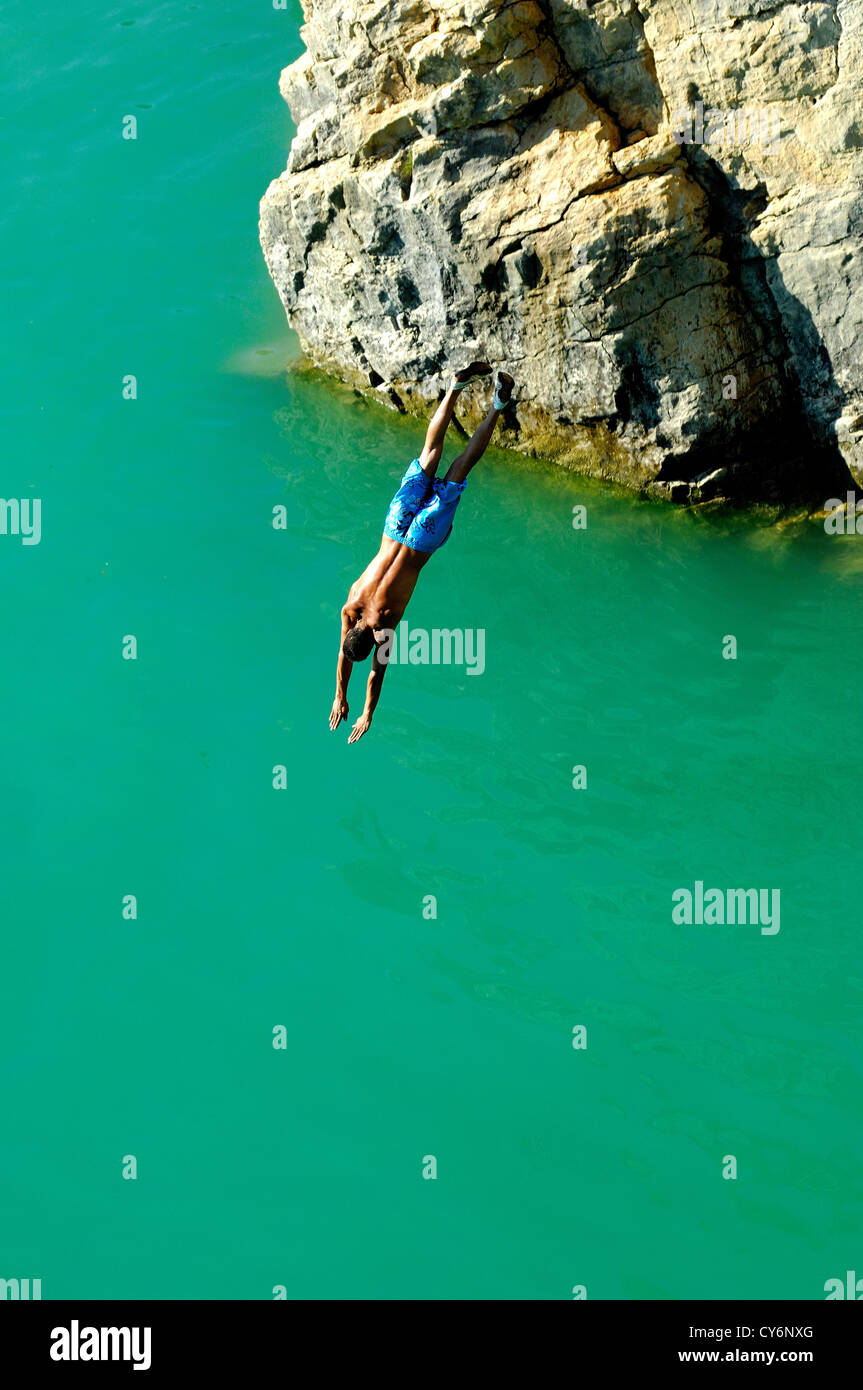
(338,712)
(362,726)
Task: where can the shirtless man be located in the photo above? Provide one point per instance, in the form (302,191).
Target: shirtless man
(419,520)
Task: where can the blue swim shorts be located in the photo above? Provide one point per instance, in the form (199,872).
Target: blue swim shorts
(420,515)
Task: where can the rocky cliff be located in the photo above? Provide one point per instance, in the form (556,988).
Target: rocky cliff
(650,214)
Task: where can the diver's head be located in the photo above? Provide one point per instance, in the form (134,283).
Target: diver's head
(358,642)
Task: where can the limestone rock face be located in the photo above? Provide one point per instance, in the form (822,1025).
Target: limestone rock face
(651,215)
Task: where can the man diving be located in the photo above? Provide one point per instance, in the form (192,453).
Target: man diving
(419,521)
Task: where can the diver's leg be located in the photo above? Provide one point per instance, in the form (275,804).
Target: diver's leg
(438,426)
(479,440)
(439,423)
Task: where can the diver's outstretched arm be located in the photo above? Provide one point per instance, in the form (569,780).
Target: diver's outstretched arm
(339,710)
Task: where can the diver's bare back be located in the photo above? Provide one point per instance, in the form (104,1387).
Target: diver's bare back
(381,594)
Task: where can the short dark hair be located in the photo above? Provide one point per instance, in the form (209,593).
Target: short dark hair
(358,643)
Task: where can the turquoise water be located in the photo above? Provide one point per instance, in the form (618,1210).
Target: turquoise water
(406,1037)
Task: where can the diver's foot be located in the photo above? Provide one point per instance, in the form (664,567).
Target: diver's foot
(503,389)
(467,375)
